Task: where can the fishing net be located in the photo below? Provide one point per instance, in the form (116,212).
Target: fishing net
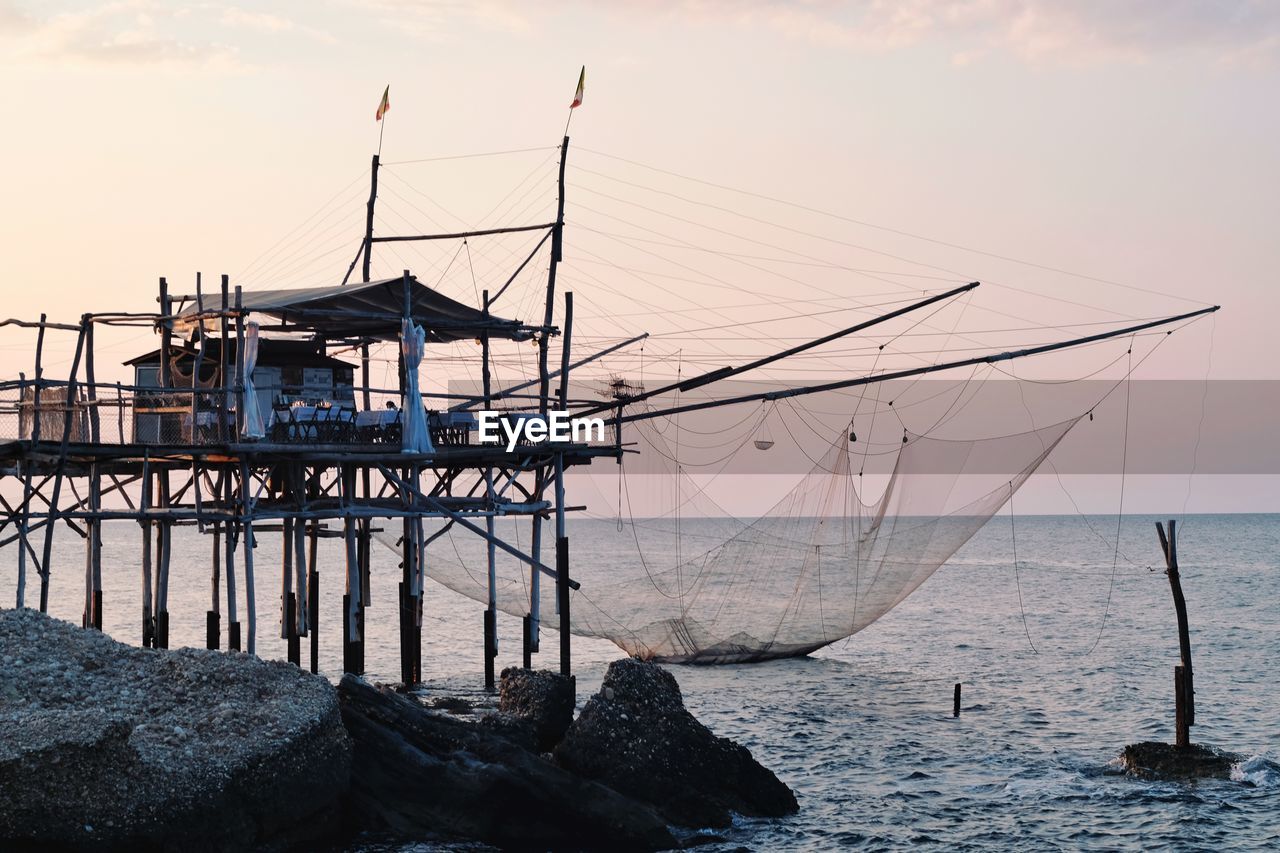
(822,564)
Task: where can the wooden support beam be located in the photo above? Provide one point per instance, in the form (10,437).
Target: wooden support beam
(24,523)
(459,235)
(62,465)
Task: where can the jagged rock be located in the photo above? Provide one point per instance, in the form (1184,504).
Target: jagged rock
(107,746)
(543,699)
(422,773)
(1155,760)
(636,737)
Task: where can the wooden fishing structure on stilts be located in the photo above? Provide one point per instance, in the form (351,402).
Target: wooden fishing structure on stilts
(188,451)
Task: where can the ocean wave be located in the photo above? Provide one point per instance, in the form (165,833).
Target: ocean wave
(1258,770)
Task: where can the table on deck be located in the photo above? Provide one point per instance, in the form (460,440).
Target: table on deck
(371,426)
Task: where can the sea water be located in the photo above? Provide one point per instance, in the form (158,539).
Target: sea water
(1062,664)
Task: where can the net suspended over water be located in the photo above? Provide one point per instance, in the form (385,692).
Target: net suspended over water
(821,565)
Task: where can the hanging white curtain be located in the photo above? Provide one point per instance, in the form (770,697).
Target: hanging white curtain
(251,425)
(413,342)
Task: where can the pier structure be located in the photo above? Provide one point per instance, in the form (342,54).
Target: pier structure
(245,422)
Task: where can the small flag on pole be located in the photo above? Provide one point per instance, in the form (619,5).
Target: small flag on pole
(385,103)
(577,94)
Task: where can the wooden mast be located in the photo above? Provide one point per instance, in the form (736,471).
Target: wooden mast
(368,221)
(534,619)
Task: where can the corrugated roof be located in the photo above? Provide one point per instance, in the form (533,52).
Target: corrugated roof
(271,353)
(372,309)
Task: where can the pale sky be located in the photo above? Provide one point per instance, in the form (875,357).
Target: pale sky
(1130,143)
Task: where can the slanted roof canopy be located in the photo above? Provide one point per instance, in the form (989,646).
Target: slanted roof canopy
(372,309)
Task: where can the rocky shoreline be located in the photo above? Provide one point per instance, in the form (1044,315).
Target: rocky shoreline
(107,746)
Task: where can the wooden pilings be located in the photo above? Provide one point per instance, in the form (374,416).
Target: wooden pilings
(164,543)
(148,620)
(562,599)
(92,617)
(352,599)
(410,609)
(213,616)
(293,642)
(234,532)
(288,616)
(313,599)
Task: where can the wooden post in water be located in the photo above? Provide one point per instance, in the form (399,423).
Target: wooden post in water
(164,543)
(148,624)
(294,643)
(93,553)
(313,594)
(246,511)
(407,554)
(234,529)
(1183,681)
(300,558)
(288,616)
(351,598)
(955,702)
(213,616)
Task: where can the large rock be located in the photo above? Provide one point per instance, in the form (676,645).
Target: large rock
(636,737)
(107,746)
(422,773)
(1164,761)
(542,699)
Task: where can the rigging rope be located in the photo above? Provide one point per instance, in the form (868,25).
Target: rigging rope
(1124,464)
(1017,580)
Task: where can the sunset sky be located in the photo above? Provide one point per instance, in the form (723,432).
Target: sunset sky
(1126,150)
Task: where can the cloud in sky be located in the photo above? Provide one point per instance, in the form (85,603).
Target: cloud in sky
(214,35)
(1075,32)
(1035,30)
(142,33)
(125,33)
(437,20)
